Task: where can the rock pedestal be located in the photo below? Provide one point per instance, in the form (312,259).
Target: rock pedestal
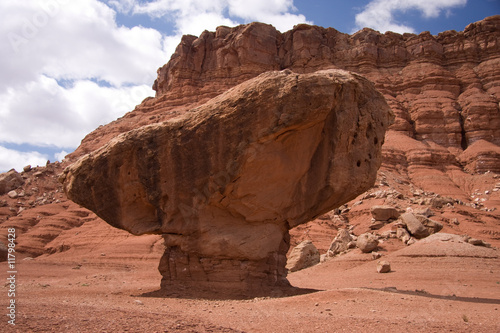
(224,273)
(224,182)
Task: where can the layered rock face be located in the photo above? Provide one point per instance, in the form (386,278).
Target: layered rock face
(444,89)
(225,182)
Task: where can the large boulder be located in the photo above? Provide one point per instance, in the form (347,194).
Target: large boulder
(224,182)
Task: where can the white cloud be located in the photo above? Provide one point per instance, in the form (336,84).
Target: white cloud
(194,16)
(276,12)
(379,14)
(43,113)
(78,43)
(195,24)
(60,155)
(80,40)
(68,67)
(12,159)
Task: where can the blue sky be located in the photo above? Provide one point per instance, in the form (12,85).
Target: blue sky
(69,66)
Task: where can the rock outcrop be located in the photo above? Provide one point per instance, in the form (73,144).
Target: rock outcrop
(443,88)
(226,181)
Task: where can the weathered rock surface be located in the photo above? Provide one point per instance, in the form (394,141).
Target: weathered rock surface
(225,182)
(383,266)
(9,181)
(302,256)
(3,252)
(384,213)
(414,226)
(480,157)
(367,242)
(340,243)
(447,245)
(442,88)
(431,225)
(403,235)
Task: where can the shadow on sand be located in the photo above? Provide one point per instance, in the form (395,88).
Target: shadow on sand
(208,294)
(424,293)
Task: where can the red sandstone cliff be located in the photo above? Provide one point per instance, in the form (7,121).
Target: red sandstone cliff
(443,88)
(444,91)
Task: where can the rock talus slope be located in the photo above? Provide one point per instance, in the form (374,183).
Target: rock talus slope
(226,181)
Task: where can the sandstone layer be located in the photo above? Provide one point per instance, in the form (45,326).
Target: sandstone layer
(443,88)
(226,181)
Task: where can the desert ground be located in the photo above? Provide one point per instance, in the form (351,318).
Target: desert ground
(434,286)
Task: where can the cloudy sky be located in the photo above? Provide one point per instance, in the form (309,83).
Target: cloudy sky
(69,66)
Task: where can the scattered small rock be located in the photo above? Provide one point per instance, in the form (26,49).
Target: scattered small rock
(403,235)
(12,194)
(427,212)
(340,243)
(302,256)
(411,241)
(384,213)
(478,242)
(414,226)
(376,255)
(375,225)
(383,267)
(367,242)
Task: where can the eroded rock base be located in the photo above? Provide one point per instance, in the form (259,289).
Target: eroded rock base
(189,271)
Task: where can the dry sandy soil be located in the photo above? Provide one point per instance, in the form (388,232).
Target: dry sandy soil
(79,293)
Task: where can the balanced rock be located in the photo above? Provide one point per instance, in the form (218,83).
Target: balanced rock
(224,182)
(302,256)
